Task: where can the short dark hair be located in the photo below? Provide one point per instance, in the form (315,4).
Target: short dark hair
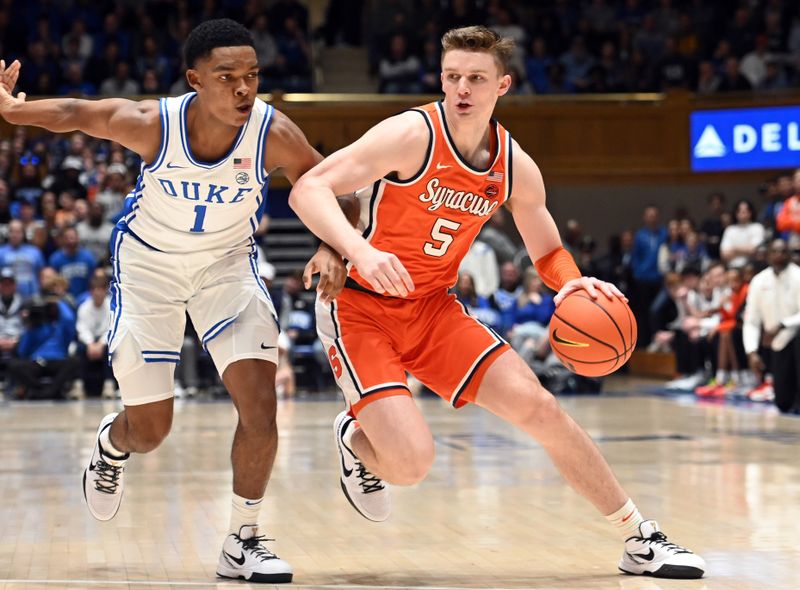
(220,32)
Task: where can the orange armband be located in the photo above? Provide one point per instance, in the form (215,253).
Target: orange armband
(556,268)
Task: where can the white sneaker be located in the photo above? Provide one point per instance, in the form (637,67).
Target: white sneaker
(651,554)
(365,492)
(245,557)
(103,478)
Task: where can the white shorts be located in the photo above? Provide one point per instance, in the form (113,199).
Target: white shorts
(151,293)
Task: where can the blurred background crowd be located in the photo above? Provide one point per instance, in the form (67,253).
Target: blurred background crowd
(105,48)
(687,278)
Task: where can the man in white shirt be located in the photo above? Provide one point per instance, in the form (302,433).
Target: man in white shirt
(773,311)
(92,328)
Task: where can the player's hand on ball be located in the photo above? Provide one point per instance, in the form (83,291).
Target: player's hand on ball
(592,286)
(332,273)
(384,271)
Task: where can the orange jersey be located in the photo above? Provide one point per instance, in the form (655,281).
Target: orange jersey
(430,221)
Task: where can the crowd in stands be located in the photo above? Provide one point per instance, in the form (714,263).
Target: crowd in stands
(687,281)
(690,287)
(103,48)
(597,46)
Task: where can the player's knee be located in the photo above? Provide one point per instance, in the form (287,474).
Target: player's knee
(414,464)
(148,435)
(542,408)
(258,409)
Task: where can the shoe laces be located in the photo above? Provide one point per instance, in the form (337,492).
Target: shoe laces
(368,482)
(255,546)
(107,477)
(660,539)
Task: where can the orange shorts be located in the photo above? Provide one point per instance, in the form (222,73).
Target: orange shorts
(372,341)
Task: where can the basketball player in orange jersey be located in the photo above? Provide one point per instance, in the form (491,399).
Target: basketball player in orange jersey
(439,172)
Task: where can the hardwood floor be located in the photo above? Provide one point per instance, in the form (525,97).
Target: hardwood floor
(493,513)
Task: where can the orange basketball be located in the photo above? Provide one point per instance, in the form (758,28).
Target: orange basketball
(593,337)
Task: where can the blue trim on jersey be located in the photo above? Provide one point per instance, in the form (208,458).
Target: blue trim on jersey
(159,159)
(140,240)
(212,328)
(219,331)
(261,174)
(175,361)
(161,352)
(116,299)
(262,207)
(185,137)
(254,268)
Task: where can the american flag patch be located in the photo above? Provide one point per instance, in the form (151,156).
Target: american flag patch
(243,163)
(494,176)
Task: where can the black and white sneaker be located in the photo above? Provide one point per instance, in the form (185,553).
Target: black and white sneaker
(365,492)
(651,554)
(103,479)
(245,557)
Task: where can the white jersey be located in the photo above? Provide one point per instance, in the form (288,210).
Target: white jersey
(181,204)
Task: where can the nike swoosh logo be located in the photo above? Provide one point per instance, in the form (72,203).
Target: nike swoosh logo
(171,165)
(266,347)
(632,511)
(439,166)
(347,472)
(249,503)
(239,560)
(566,342)
(646,556)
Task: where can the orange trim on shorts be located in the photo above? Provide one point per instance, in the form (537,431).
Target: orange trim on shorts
(469,392)
(373,397)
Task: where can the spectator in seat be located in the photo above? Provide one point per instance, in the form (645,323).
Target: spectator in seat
(740,240)
(25,260)
(44,351)
(10,318)
(788,219)
(399,71)
(504,299)
(95,232)
(74,262)
(477,306)
(530,335)
(92,329)
(711,228)
(646,275)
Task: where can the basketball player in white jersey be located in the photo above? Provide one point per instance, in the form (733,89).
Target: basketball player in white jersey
(184,244)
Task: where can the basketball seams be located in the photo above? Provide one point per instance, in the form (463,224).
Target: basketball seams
(605,311)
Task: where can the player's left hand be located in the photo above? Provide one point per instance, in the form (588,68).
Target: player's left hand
(332,273)
(591,285)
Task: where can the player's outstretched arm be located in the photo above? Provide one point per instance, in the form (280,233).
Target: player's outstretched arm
(397,144)
(540,234)
(136,125)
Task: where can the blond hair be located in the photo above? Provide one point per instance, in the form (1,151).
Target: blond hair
(480,40)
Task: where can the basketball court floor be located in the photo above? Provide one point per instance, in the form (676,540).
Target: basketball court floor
(493,513)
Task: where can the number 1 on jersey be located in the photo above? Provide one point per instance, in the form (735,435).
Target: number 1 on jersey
(199,218)
(445,239)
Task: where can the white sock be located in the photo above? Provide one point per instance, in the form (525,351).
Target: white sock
(626,520)
(244,511)
(722,376)
(108,449)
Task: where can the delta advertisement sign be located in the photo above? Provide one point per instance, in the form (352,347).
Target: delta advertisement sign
(745,139)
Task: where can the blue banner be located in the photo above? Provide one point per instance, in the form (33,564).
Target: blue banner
(745,139)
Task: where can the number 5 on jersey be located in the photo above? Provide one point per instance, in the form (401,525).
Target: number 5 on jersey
(439,233)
